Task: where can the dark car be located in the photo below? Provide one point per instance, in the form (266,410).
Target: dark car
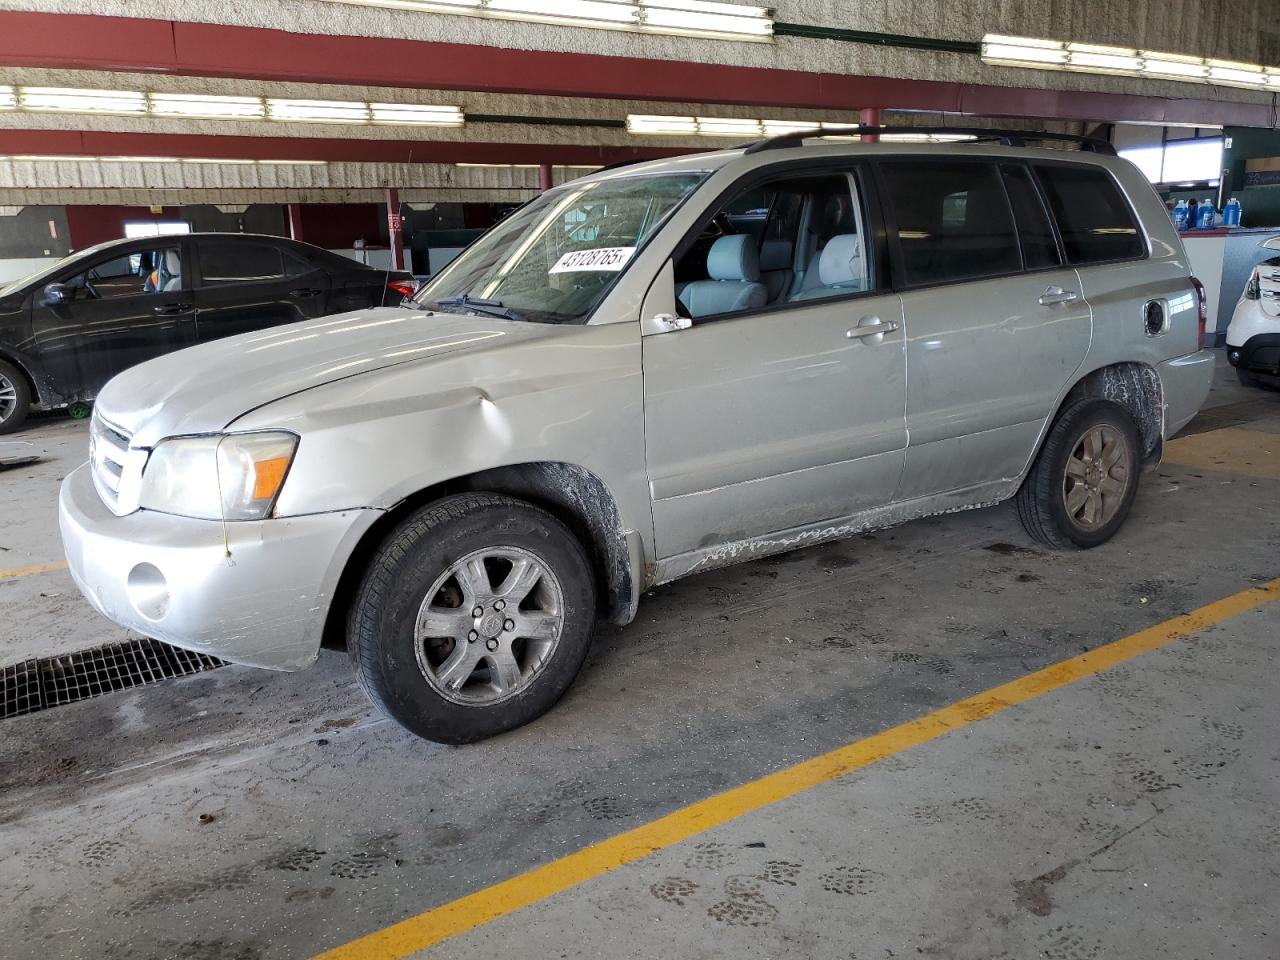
(67,330)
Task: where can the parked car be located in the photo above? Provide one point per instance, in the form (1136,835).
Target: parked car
(1253,336)
(608,391)
(67,330)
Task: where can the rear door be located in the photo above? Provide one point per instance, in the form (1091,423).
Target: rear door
(250,283)
(122,307)
(996,322)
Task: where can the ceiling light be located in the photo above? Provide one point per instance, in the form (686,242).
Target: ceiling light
(318,111)
(643,123)
(72,100)
(59,158)
(711,19)
(776,128)
(409,114)
(198,106)
(1041,54)
(728,127)
(8,97)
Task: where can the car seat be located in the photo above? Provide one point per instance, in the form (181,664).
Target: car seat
(839,268)
(733,265)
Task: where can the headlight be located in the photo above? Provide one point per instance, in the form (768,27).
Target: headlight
(228,477)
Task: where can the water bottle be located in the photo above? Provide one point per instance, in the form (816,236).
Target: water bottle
(1181,214)
(1206,215)
(1231,213)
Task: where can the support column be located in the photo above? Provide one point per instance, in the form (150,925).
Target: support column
(869,117)
(293,213)
(545,182)
(395,229)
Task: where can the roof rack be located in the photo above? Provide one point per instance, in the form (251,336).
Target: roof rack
(1008,138)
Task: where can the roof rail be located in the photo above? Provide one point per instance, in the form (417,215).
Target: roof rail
(1009,138)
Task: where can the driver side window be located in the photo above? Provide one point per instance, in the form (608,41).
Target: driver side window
(153,270)
(793,239)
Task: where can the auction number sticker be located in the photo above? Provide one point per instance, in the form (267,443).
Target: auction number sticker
(609,259)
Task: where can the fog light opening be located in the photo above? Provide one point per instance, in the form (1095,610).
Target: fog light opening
(148,591)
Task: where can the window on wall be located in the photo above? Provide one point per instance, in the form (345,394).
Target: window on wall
(155,228)
(1179,155)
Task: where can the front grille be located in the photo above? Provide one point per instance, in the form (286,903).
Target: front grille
(53,681)
(108,455)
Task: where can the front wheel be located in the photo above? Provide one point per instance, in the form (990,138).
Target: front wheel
(473,618)
(1083,482)
(15,398)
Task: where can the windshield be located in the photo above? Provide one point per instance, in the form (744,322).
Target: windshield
(13,286)
(553,260)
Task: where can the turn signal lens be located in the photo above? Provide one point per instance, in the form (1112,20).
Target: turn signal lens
(267,477)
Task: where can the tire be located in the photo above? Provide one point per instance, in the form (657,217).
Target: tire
(424,573)
(1263,382)
(15,398)
(1246,378)
(1044,505)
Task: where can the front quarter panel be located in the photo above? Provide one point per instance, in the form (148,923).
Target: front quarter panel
(572,396)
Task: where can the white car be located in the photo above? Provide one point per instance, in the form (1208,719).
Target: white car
(1253,338)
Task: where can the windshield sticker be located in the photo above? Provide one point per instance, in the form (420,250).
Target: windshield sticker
(610,259)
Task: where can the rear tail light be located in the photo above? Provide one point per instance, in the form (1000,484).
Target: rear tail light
(406,288)
(1203,301)
(1253,290)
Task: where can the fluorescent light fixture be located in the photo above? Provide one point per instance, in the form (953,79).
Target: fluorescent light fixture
(709,19)
(643,123)
(926,137)
(73,100)
(199,106)
(740,127)
(1040,54)
(728,127)
(318,111)
(60,158)
(415,115)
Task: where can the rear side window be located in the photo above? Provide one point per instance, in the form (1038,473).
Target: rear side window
(1093,216)
(1039,248)
(239,262)
(953,220)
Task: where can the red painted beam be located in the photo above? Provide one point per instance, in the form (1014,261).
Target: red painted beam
(117,43)
(93,143)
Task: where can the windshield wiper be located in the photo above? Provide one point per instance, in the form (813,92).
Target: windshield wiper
(488,308)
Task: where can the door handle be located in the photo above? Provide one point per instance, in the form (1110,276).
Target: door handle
(870,327)
(305,292)
(169,309)
(1053,296)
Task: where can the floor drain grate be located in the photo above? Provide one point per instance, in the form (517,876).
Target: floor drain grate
(53,681)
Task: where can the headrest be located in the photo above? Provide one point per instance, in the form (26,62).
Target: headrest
(776,255)
(734,258)
(841,260)
(173,262)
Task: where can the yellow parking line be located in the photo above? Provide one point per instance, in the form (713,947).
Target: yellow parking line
(466,913)
(32,570)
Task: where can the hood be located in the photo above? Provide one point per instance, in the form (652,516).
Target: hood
(202,389)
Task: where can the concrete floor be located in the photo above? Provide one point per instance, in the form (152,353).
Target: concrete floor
(242,814)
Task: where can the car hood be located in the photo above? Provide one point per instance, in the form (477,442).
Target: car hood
(204,388)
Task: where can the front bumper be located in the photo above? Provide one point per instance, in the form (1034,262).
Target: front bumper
(1184,383)
(260,598)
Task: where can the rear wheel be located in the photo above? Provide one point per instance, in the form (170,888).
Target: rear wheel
(474,617)
(15,398)
(1084,480)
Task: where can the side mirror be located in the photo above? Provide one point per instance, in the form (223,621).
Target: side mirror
(57,293)
(670,323)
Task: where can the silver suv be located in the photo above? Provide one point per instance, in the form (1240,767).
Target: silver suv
(642,374)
